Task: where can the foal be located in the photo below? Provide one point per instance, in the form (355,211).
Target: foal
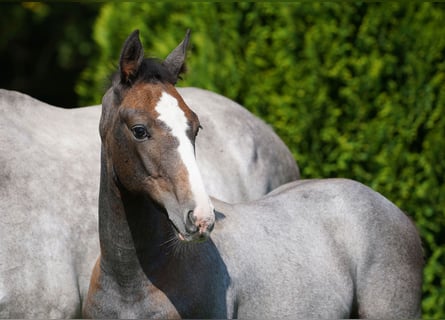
(321,248)
(151,195)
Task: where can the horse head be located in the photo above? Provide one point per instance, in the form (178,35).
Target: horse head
(148,138)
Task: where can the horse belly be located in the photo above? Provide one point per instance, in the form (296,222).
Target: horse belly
(304,296)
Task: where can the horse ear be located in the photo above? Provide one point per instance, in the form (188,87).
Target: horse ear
(175,61)
(131,57)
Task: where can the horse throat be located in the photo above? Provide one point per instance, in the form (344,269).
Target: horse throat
(131,230)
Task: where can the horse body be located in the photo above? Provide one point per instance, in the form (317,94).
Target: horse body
(312,249)
(49,175)
(48,186)
(336,249)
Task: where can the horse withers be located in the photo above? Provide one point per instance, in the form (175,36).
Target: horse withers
(49,175)
(310,249)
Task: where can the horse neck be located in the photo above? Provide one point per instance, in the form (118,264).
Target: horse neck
(130,227)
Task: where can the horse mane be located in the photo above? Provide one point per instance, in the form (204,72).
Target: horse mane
(151,70)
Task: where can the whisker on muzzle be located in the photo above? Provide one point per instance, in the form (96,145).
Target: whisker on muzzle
(169,242)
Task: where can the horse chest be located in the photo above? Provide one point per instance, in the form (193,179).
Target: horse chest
(109,299)
(151,303)
(197,289)
(173,293)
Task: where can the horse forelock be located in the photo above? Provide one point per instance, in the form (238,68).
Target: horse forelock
(151,70)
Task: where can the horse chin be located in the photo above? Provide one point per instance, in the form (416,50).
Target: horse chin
(187,237)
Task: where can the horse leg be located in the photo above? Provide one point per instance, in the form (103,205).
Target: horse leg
(391,286)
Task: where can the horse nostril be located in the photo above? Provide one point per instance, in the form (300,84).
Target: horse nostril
(190,224)
(211,226)
(191,217)
(201,226)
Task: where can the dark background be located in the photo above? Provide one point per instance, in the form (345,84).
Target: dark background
(45,47)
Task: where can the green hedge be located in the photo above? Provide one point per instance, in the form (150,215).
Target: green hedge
(354,89)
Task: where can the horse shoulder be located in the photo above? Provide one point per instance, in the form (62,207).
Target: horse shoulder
(277,254)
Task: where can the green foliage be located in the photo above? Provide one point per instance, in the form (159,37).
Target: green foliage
(354,89)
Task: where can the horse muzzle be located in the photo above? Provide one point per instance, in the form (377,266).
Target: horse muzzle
(198,227)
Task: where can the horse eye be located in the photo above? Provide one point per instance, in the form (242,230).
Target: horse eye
(139,132)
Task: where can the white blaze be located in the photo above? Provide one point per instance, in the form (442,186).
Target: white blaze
(174,118)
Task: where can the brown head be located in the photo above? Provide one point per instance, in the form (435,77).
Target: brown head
(148,136)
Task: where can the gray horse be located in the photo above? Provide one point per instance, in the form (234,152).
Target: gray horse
(49,179)
(310,249)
